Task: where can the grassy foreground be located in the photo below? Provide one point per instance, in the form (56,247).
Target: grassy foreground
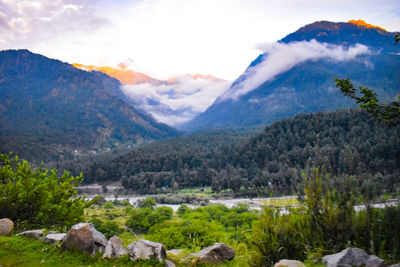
(22,251)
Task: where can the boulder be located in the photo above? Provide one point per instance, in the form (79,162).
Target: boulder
(36,234)
(6,226)
(145,250)
(289,263)
(84,237)
(346,258)
(395,265)
(53,238)
(217,253)
(115,248)
(374,261)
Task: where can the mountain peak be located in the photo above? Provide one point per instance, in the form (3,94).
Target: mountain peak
(346,34)
(121,73)
(361,23)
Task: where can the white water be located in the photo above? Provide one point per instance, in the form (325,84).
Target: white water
(253,203)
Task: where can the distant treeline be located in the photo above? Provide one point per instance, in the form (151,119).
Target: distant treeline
(345,143)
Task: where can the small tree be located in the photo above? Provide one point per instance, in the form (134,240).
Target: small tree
(389,113)
(38,197)
(368,100)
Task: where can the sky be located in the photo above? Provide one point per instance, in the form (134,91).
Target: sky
(174,38)
(165,38)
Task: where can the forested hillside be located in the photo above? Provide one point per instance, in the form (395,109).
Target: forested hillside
(345,143)
(50,109)
(263,94)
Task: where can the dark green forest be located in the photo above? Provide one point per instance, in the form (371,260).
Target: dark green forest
(346,143)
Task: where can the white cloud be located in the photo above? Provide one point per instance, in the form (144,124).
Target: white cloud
(281,57)
(185,96)
(30,23)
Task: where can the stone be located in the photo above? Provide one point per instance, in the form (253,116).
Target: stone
(346,258)
(289,263)
(53,238)
(169,263)
(144,250)
(115,248)
(217,253)
(36,234)
(84,237)
(175,252)
(395,265)
(6,226)
(374,261)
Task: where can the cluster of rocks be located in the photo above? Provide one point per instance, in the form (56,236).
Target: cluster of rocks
(354,257)
(85,238)
(346,258)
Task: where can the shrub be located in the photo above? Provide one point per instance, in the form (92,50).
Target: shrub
(108,205)
(139,220)
(187,233)
(147,202)
(110,228)
(142,219)
(97,223)
(38,197)
(182,210)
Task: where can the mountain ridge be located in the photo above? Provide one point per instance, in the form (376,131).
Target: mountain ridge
(297,93)
(57,104)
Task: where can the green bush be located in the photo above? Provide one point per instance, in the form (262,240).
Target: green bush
(38,197)
(138,222)
(327,224)
(147,202)
(110,228)
(108,205)
(144,218)
(97,223)
(187,233)
(182,210)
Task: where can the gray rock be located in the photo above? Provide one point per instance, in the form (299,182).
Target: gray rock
(36,234)
(53,238)
(145,250)
(395,265)
(374,261)
(217,253)
(169,263)
(115,248)
(84,237)
(6,226)
(289,263)
(346,258)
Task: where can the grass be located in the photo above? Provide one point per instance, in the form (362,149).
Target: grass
(25,252)
(279,202)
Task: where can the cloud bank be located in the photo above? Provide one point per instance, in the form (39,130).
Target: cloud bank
(179,100)
(24,23)
(280,57)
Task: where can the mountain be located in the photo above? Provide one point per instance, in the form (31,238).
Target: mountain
(122,73)
(50,106)
(296,75)
(346,34)
(171,101)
